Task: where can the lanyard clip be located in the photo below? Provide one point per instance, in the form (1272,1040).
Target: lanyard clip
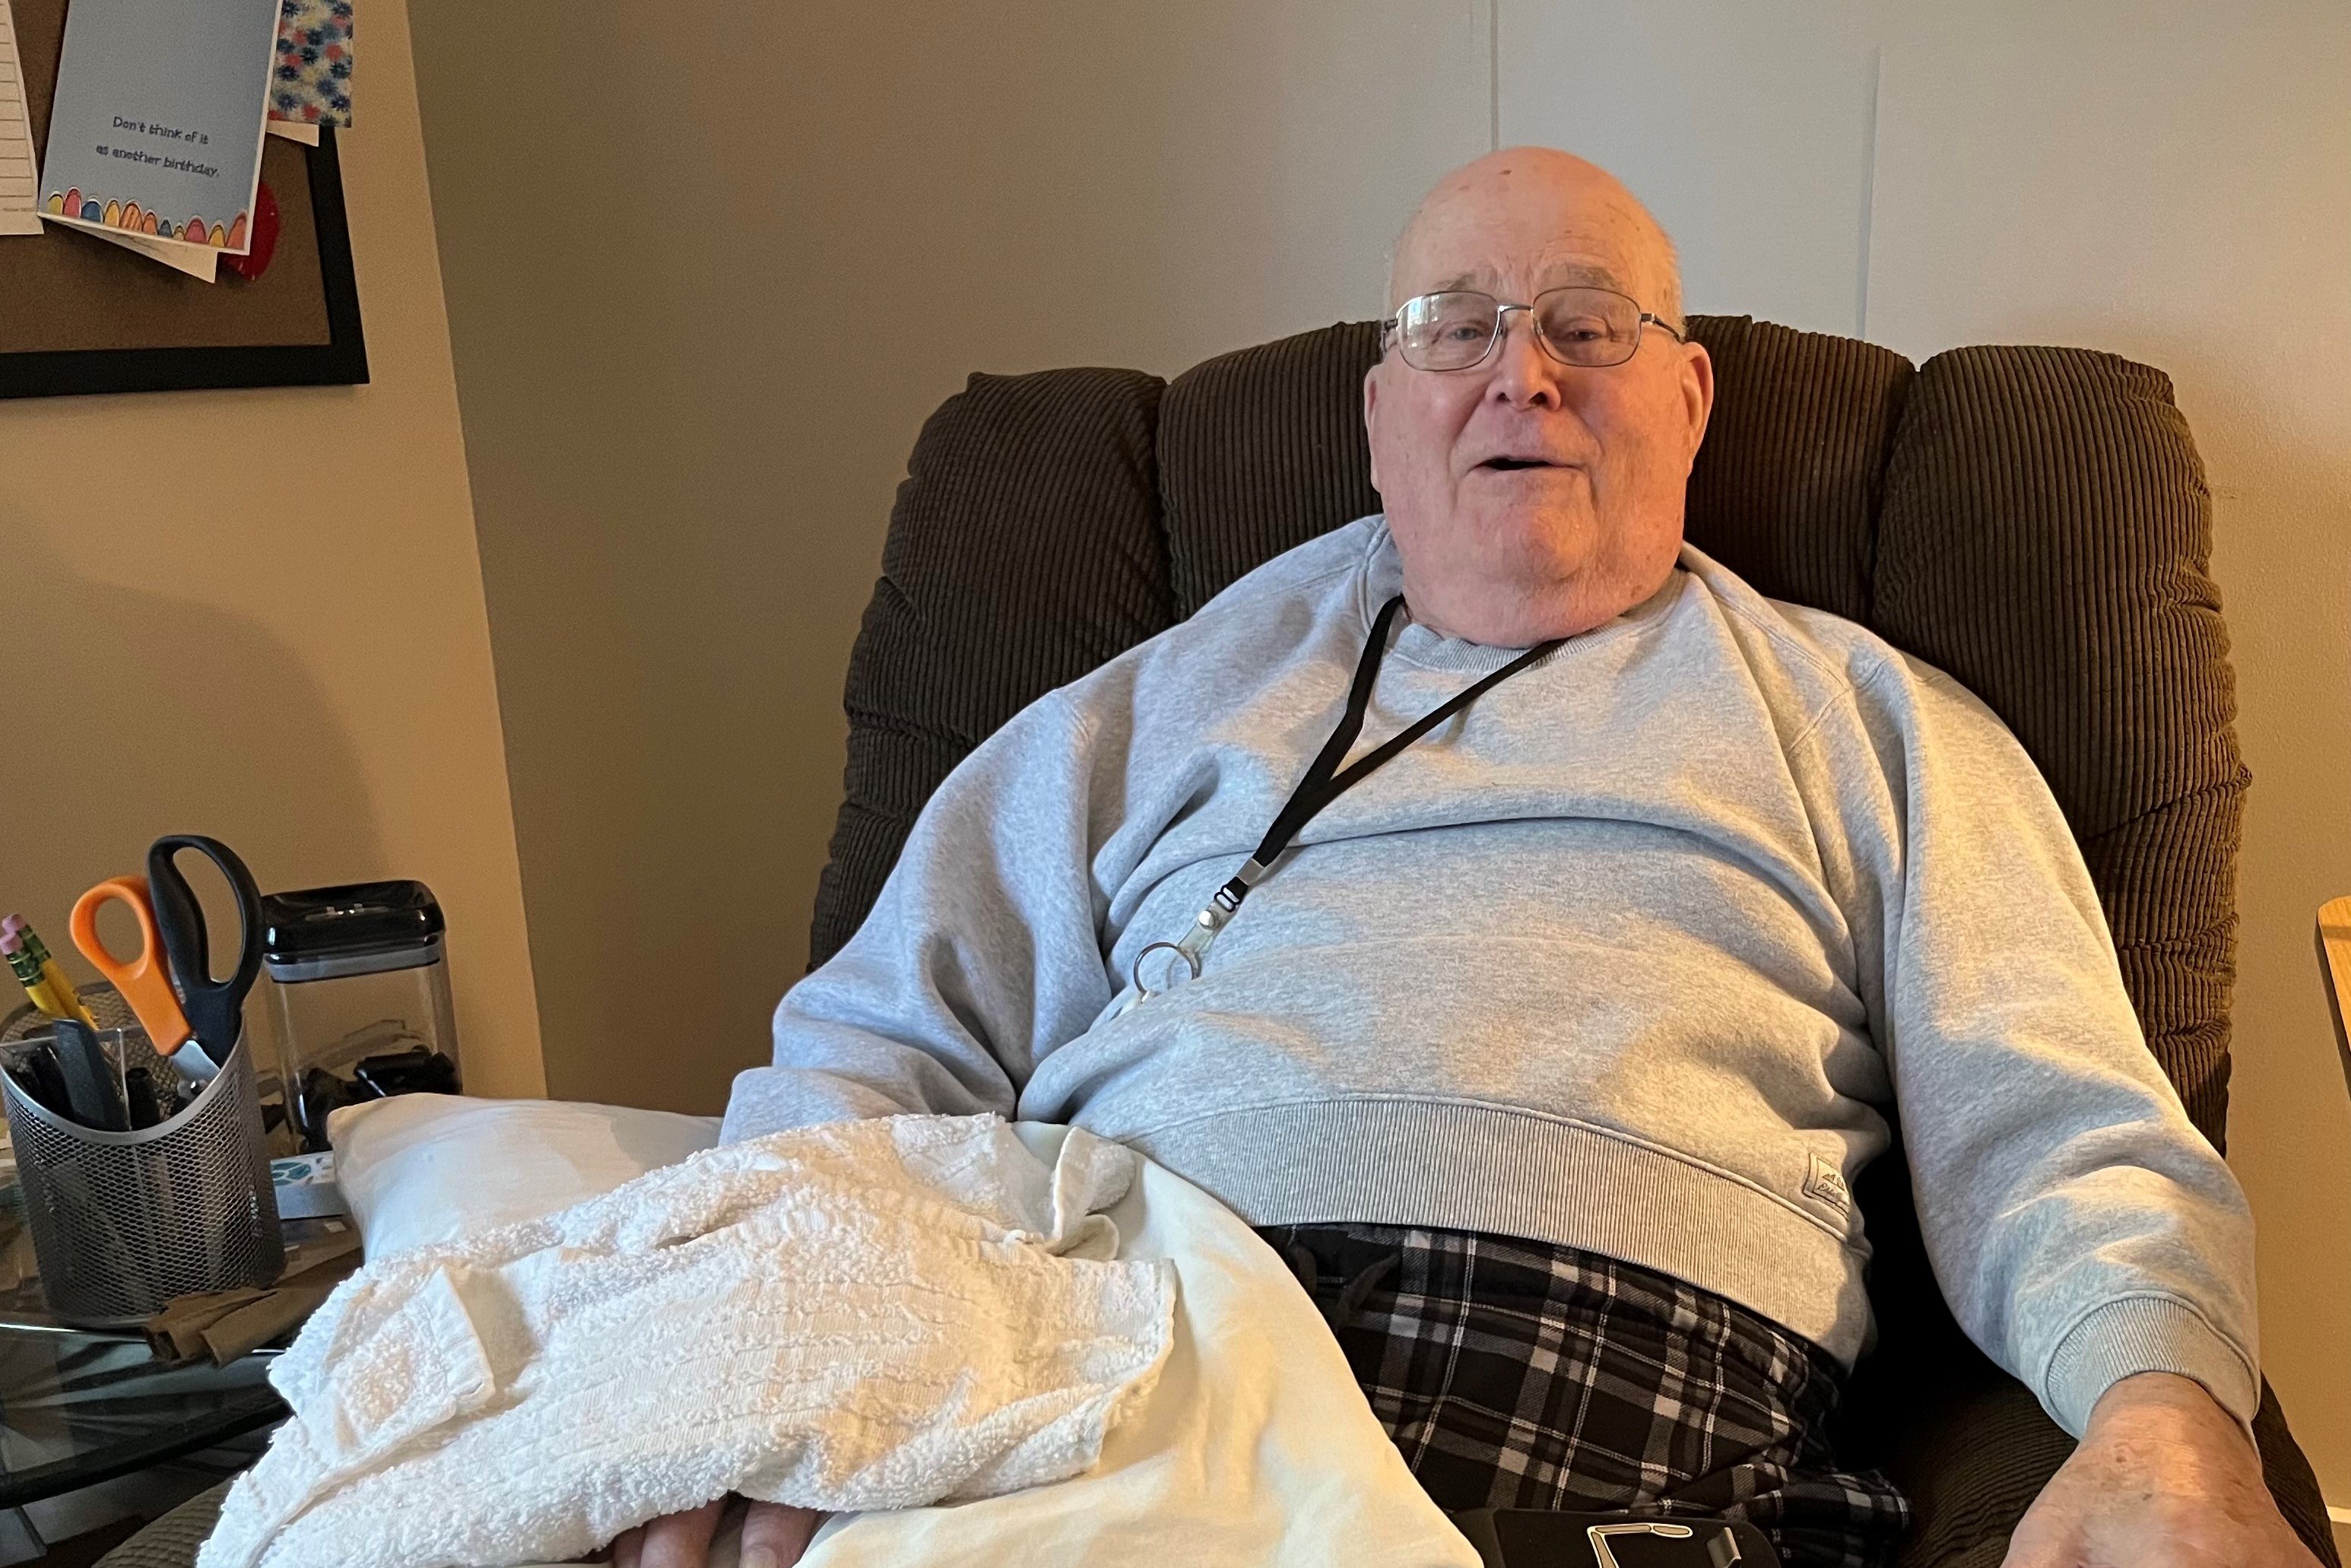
(1228,897)
(1213,917)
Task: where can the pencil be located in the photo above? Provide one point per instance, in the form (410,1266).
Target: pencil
(38,972)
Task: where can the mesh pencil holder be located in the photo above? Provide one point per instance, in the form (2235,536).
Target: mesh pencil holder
(122,1222)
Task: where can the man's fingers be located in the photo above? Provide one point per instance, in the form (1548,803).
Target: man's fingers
(678,1540)
(774,1535)
(628,1549)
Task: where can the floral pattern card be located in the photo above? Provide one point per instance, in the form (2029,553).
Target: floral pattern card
(314,64)
(158,118)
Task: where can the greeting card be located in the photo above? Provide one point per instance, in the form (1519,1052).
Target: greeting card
(157,124)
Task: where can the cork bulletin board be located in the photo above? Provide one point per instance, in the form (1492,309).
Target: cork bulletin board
(79,315)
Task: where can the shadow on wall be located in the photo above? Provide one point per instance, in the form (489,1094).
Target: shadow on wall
(191,721)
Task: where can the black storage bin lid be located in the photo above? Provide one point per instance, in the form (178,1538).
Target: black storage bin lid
(317,931)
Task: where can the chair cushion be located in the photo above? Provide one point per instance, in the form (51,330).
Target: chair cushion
(172,1540)
(1786,487)
(2019,517)
(1262,450)
(1024,549)
(2047,539)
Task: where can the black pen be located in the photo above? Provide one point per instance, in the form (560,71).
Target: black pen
(139,1093)
(91,1087)
(37,1078)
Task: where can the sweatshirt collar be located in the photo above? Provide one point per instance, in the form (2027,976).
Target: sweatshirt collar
(1383,579)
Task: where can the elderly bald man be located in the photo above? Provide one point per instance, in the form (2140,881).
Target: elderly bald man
(1546,1035)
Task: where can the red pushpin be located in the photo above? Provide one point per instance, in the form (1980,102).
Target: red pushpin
(255,261)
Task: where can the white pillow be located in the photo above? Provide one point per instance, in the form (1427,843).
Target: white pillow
(419,1168)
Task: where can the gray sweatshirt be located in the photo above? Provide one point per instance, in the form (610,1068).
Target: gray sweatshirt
(1634,956)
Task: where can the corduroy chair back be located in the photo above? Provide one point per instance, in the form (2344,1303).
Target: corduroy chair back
(2034,521)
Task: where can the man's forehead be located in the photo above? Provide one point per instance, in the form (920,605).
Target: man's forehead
(1559,273)
(1516,223)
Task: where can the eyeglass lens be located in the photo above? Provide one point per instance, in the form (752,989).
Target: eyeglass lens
(1455,330)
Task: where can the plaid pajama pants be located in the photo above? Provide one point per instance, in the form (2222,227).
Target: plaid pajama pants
(1519,1374)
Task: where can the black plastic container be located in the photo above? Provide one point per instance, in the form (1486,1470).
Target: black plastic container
(359,995)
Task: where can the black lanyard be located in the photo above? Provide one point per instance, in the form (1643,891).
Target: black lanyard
(1325,782)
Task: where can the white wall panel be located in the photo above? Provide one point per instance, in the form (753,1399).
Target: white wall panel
(1744,126)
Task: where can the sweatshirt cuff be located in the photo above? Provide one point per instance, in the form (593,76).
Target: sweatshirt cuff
(2145,1333)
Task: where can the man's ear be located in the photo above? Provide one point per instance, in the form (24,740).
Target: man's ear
(1698,391)
(1372,418)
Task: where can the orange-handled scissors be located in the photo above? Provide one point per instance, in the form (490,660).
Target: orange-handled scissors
(145,982)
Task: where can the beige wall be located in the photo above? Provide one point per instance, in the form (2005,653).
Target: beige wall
(698,327)
(782,245)
(292,653)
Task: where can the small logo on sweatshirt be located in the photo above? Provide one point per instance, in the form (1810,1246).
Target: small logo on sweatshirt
(1827,1183)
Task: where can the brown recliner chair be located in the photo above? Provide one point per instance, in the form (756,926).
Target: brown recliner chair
(2033,521)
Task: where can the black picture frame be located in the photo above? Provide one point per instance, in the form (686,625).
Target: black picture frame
(339,362)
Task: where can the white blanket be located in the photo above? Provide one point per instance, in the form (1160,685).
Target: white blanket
(1255,1449)
(866,1315)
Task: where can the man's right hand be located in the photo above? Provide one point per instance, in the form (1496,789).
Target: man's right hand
(2164,1477)
(774,1536)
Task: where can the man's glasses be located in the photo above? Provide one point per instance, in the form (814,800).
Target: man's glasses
(1457,328)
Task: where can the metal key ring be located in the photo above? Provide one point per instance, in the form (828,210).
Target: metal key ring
(1135,972)
(1598,1534)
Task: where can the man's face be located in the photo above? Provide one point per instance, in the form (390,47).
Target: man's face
(1530,499)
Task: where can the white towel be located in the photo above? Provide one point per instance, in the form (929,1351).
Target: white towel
(1256,1449)
(866,1315)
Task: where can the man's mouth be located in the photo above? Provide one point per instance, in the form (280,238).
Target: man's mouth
(1513,465)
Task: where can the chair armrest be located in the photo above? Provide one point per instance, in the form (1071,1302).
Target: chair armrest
(1977,1452)
(1969,1444)
(1980,1450)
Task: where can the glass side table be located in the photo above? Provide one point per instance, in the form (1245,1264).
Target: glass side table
(78,1407)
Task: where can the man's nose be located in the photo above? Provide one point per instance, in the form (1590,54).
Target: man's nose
(1524,376)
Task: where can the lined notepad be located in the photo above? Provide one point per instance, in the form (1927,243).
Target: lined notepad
(19,190)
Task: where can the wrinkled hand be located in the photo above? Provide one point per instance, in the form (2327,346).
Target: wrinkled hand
(774,1536)
(2164,1477)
